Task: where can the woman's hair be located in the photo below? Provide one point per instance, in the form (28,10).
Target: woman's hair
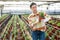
(32,4)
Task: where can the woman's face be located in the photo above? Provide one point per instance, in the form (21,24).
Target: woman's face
(34,8)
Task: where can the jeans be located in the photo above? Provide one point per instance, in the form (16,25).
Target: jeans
(38,35)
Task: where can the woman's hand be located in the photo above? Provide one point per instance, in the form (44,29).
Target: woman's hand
(34,29)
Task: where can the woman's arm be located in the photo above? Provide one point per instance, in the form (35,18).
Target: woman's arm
(31,25)
(47,17)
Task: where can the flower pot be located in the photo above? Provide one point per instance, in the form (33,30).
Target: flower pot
(58,33)
(50,34)
(53,30)
(54,24)
(47,38)
(55,37)
(7,36)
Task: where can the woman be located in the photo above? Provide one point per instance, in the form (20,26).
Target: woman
(37,23)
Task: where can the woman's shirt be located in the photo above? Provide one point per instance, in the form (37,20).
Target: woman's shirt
(33,18)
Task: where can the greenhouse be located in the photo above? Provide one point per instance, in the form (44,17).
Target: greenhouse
(14,24)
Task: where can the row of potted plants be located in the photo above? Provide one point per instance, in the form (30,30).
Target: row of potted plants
(2,18)
(23,28)
(2,25)
(54,23)
(19,35)
(6,29)
(52,34)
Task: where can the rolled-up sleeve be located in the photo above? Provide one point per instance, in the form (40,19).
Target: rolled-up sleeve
(30,21)
(47,18)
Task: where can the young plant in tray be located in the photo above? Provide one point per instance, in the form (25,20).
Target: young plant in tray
(58,24)
(52,22)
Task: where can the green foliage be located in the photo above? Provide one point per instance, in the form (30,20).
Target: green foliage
(52,21)
(58,24)
(41,14)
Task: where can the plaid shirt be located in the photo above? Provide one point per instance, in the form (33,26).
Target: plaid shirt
(34,18)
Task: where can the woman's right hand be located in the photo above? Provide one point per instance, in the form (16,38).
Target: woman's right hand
(34,29)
